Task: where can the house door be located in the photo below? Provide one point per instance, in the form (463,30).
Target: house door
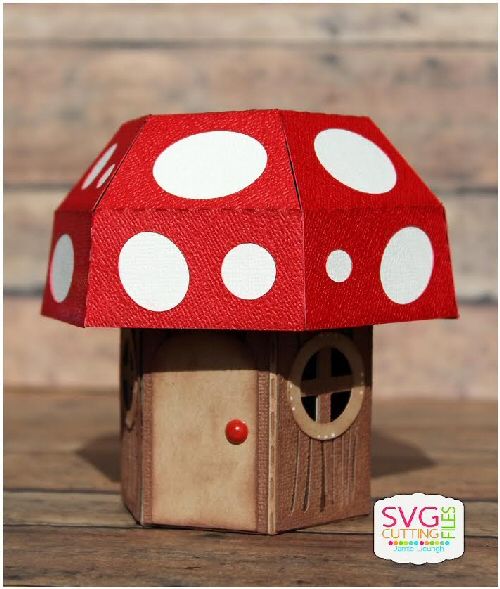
(200,382)
(323,447)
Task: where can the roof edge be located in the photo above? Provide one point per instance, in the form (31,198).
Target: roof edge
(405,160)
(144,119)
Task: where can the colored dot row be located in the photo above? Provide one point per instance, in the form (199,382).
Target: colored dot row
(416,542)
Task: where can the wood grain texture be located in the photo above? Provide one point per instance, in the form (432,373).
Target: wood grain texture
(435,107)
(320,481)
(63,355)
(426,73)
(69,556)
(433,446)
(411,23)
(56,534)
(57,353)
(77,509)
(438,356)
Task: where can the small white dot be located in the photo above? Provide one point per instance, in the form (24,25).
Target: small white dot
(210,165)
(407,264)
(105,176)
(339,265)
(153,271)
(99,166)
(61,268)
(355,161)
(248,271)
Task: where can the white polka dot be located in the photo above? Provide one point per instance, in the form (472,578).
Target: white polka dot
(210,165)
(99,166)
(248,271)
(153,271)
(105,176)
(407,264)
(61,269)
(355,161)
(339,265)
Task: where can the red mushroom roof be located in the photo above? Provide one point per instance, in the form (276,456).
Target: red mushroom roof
(266,220)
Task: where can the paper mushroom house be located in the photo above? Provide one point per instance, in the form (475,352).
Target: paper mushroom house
(245,256)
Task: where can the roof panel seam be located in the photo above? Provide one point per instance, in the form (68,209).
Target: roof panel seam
(115,171)
(96,205)
(296,185)
(93,213)
(287,147)
(204,209)
(387,207)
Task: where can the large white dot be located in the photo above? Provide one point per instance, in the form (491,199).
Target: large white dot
(105,176)
(153,271)
(99,166)
(355,161)
(248,271)
(407,264)
(61,268)
(339,265)
(210,165)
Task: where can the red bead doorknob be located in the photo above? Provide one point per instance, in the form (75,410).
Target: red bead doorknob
(236,431)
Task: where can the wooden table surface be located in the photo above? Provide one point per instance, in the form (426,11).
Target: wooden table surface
(65,525)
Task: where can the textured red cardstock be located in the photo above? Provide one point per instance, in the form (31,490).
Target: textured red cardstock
(295,210)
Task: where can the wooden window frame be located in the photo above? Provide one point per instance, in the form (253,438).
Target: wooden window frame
(325,385)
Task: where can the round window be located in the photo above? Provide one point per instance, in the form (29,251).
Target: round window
(326,386)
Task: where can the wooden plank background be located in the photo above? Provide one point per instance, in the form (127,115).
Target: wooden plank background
(425,73)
